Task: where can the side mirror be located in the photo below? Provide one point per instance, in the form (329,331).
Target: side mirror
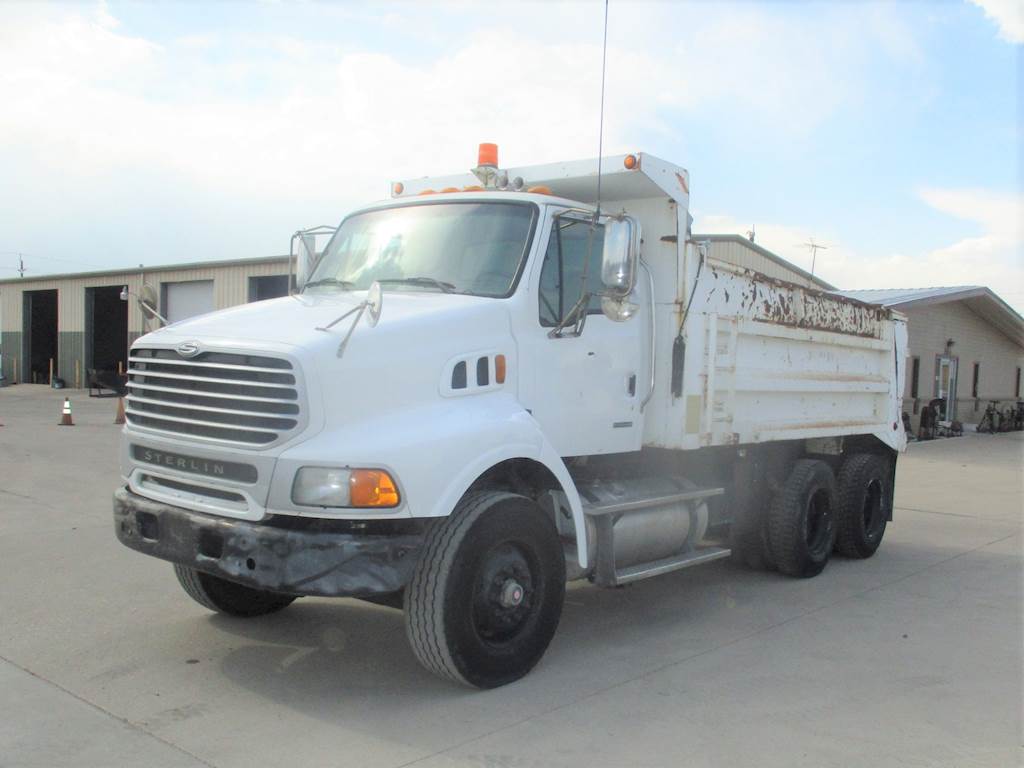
(621,253)
(305,258)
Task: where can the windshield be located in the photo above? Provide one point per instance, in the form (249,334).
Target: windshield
(470,247)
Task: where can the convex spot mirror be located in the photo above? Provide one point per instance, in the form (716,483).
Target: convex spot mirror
(374,304)
(146,300)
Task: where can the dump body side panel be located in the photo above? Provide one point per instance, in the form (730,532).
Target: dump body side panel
(770,360)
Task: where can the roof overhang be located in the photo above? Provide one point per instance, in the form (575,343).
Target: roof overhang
(981,300)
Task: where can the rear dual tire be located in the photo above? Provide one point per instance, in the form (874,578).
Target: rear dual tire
(801,520)
(865,494)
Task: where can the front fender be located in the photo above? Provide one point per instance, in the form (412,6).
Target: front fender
(434,451)
(532,444)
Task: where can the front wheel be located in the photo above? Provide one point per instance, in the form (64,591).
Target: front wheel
(487,592)
(227,597)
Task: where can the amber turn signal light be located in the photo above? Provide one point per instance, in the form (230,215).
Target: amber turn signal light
(630,162)
(372,488)
(499,369)
(397,188)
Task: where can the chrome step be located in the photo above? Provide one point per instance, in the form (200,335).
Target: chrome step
(697,556)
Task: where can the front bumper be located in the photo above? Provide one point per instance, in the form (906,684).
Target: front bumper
(310,561)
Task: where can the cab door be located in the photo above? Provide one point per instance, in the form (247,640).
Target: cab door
(586,388)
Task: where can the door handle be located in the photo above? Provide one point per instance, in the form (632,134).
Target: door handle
(631,385)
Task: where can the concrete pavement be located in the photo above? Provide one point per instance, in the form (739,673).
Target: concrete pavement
(912,658)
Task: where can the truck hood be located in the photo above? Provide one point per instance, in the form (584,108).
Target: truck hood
(293,321)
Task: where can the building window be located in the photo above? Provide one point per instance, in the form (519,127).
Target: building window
(915,376)
(974,381)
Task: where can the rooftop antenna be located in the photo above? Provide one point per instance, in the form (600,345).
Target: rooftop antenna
(600,125)
(813,247)
(752,232)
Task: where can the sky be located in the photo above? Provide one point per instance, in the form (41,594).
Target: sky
(169,132)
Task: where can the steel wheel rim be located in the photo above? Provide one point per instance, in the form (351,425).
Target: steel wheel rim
(818,521)
(872,511)
(504,593)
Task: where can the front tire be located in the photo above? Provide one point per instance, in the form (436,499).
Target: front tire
(227,597)
(487,592)
(801,522)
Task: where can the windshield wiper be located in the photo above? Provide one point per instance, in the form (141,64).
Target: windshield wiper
(441,285)
(347,284)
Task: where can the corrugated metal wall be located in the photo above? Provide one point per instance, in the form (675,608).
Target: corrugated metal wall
(737,253)
(231,287)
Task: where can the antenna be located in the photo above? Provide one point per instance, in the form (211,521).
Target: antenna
(600,124)
(813,247)
(21,266)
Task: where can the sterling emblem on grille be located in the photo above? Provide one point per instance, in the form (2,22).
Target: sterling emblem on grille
(189,348)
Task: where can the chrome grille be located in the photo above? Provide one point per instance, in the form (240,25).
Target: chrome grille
(249,399)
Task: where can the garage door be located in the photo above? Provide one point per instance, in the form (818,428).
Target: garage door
(184,300)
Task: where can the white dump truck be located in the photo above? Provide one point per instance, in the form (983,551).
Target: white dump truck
(494,383)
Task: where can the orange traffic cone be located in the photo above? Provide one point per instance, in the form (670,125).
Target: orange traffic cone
(65,415)
(119,417)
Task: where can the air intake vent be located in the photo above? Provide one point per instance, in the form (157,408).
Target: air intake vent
(247,399)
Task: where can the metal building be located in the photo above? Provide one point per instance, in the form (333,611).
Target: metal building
(966,348)
(64,325)
(738,250)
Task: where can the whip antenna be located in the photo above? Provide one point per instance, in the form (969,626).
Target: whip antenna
(600,123)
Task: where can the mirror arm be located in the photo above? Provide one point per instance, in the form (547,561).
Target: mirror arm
(577,314)
(654,333)
(144,308)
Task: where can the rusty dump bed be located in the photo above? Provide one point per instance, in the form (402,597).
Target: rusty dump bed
(751,294)
(771,360)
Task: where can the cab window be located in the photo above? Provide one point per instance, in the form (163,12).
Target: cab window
(562,273)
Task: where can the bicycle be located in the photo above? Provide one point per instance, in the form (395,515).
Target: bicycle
(991,420)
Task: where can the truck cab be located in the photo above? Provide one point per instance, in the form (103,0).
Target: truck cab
(492,383)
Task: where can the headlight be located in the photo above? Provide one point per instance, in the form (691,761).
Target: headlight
(332,487)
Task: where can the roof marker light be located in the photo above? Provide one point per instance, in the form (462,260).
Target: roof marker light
(474,188)
(429,192)
(449,189)
(630,162)
(397,188)
(540,190)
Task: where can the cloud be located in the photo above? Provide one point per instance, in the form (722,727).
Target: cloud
(278,115)
(214,141)
(993,257)
(1008,16)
